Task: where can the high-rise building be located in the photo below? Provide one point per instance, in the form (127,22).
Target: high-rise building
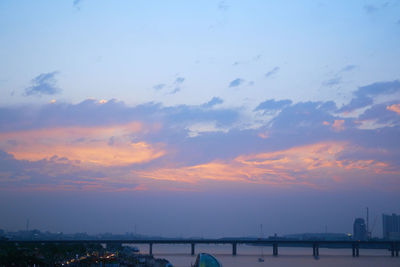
(359,230)
(391,226)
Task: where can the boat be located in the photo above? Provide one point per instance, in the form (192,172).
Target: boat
(206,260)
(260,260)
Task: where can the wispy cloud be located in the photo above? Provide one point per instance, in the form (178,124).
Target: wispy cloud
(43,84)
(337,79)
(332,82)
(179,80)
(242,62)
(175,90)
(272,105)
(159,86)
(272,72)
(371,8)
(77,3)
(223,5)
(236,82)
(348,68)
(214,101)
(176,86)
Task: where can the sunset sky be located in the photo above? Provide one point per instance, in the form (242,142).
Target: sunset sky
(198,118)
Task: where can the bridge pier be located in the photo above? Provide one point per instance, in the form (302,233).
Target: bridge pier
(275,249)
(151,248)
(356,250)
(234,249)
(192,252)
(315,249)
(395,250)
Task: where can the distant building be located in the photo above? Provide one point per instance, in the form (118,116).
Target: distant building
(391,226)
(360,230)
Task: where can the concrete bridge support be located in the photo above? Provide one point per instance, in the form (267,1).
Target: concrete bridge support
(192,252)
(395,250)
(151,248)
(315,249)
(275,249)
(234,249)
(356,250)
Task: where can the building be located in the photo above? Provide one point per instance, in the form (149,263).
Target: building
(391,226)
(360,230)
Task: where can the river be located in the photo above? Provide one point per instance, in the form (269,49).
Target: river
(179,256)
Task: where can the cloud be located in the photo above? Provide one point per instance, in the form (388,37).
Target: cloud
(370,9)
(332,82)
(222,5)
(254,59)
(84,144)
(394,108)
(159,86)
(365,95)
(175,90)
(77,3)
(338,125)
(43,84)
(272,105)
(348,68)
(337,79)
(176,85)
(214,101)
(237,82)
(114,146)
(301,165)
(179,80)
(272,72)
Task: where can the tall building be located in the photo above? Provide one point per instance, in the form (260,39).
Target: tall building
(391,226)
(359,230)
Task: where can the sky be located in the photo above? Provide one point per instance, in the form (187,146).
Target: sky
(199,118)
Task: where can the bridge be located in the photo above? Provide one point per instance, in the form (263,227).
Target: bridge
(355,246)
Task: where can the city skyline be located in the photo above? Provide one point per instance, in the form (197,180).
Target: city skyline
(198,118)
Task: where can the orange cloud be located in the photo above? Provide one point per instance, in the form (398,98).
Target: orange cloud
(394,108)
(304,165)
(103,145)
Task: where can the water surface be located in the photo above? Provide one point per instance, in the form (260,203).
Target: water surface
(179,256)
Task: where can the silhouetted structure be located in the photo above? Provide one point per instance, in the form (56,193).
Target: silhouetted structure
(391,226)
(359,230)
(204,259)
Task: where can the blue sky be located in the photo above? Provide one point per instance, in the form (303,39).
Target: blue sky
(122,49)
(208,102)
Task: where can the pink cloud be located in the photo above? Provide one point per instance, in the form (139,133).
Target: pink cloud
(303,165)
(394,108)
(105,145)
(338,125)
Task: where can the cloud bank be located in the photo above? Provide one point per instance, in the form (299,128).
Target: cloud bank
(110,146)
